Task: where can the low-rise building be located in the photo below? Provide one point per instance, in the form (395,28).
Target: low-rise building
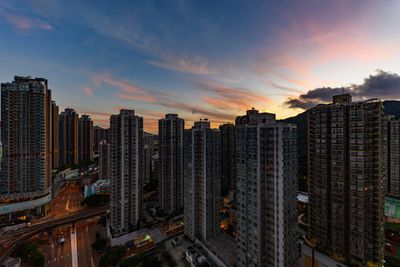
(98,187)
(308,255)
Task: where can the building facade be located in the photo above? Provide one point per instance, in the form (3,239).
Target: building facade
(266,176)
(227,158)
(150,147)
(85,138)
(170,176)
(26,139)
(202,194)
(393,156)
(104,160)
(346,179)
(100,134)
(68,137)
(54,136)
(126,136)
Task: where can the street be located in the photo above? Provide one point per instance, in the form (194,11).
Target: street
(76,249)
(67,201)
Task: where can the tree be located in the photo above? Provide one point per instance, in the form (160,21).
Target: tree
(112,256)
(99,245)
(152,261)
(168,258)
(96,200)
(141,260)
(30,254)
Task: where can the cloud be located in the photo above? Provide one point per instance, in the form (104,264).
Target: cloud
(24,23)
(282,87)
(198,110)
(187,64)
(145,98)
(228,98)
(383,85)
(87,91)
(161,46)
(127,89)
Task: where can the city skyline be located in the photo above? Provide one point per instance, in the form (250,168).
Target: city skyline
(201,60)
(200,133)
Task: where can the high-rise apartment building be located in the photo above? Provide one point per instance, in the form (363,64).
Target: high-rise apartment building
(170,176)
(266,186)
(149,147)
(126,136)
(147,159)
(202,194)
(54,135)
(85,138)
(346,175)
(104,160)
(100,134)
(227,158)
(68,137)
(393,156)
(26,139)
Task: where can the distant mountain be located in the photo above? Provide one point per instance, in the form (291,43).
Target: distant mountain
(391,107)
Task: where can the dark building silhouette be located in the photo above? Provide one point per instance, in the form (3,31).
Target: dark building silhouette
(68,137)
(170,163)
(104,160)
(227,158)
(393,156)
(26,141)
(202,194)
(346,176)
(266,181)
(100,134)
(85,138)
(126,136)
(54,136)
(149,149)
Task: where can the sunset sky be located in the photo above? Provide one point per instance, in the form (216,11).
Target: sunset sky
(200,59)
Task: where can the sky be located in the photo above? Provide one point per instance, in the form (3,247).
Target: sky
(202,59)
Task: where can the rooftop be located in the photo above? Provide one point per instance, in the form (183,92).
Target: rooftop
(224,247)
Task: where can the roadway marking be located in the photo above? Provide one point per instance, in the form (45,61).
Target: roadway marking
(74,252)
(67,206)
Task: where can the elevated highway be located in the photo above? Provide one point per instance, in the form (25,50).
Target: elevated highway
(10,241)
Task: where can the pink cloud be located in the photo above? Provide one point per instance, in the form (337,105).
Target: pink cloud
(87,91)
(188,64)
(145,98)
(25,23)
(128,90)
(313,42)
(226,98)
(198,110)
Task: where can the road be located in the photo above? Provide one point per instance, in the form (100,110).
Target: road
(86,234)
(12,241)
(67,201)
(59,254)
(66,210)
(76,251)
